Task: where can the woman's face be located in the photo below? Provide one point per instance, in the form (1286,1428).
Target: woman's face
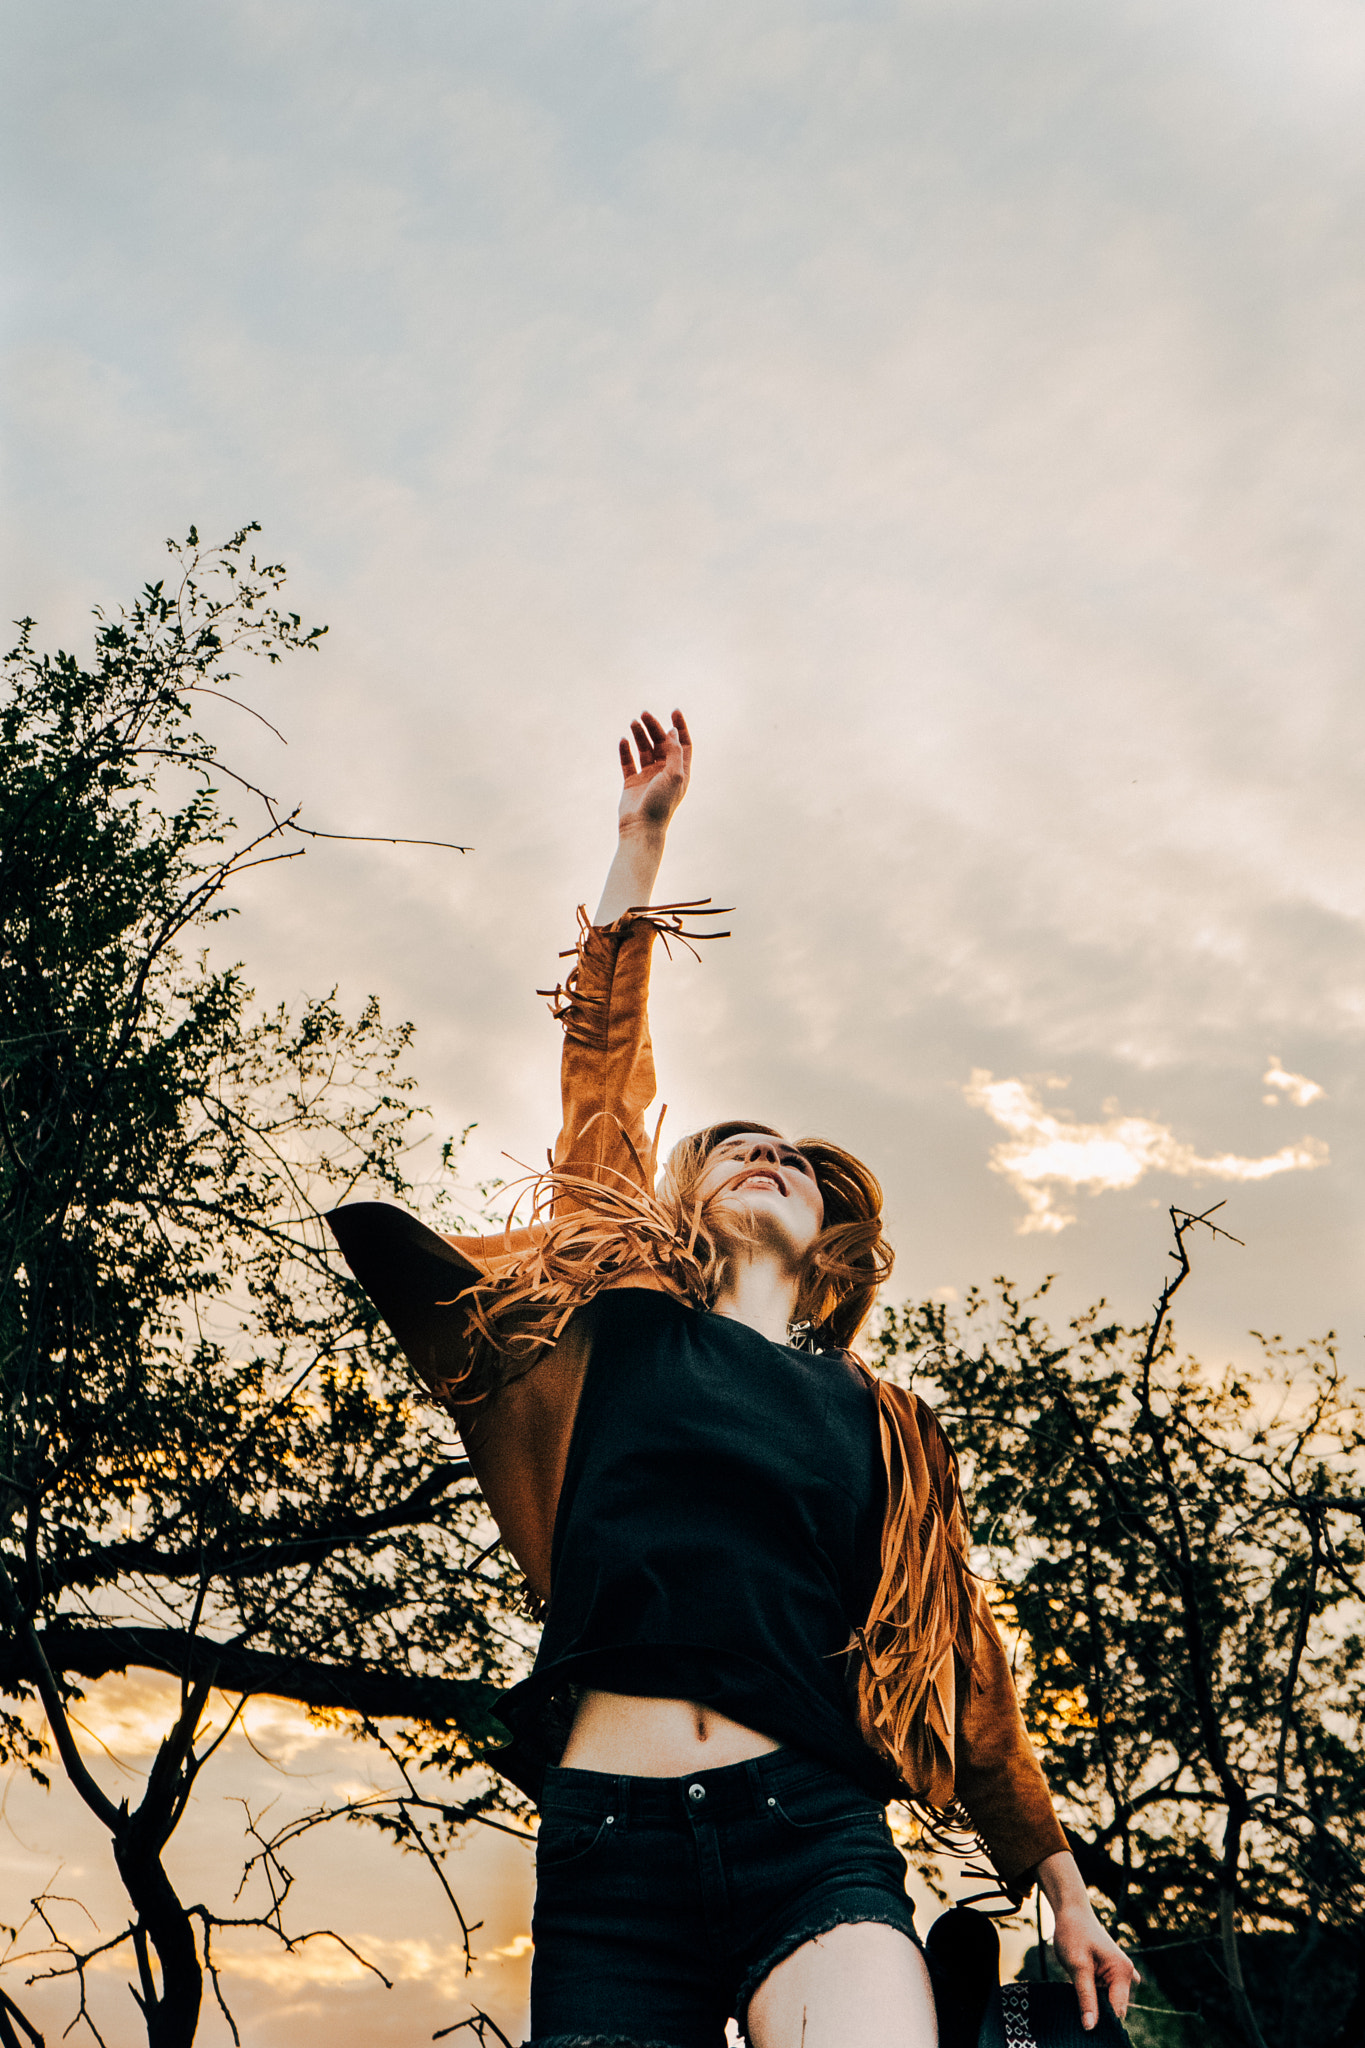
(768,1184)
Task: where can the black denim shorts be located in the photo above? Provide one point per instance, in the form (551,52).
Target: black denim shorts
(663,1903)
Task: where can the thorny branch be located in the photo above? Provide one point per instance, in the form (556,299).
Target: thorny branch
(78,1960)
(399,1813)
(75,1962)
(9,2012)
(479,2024)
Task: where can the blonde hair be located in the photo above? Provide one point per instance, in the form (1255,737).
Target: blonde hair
(849,1258)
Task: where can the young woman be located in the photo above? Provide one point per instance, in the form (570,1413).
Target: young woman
(760,1626)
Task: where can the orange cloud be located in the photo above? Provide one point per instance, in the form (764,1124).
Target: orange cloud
(1045,1152)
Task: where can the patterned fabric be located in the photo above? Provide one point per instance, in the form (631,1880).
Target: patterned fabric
(1046,2016)
(1014,2011)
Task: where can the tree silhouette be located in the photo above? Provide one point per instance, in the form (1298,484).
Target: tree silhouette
(212,1462)
(1180,1552)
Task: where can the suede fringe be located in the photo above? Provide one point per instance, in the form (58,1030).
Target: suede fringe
(668,920)
(586,1236)
(921,1612)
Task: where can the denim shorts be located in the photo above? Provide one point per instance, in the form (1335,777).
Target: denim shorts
(663,1903)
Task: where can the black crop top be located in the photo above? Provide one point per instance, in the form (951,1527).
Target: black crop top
(718,1534)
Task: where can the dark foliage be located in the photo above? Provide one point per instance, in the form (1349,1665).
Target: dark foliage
(211,1462)
(1180,1552)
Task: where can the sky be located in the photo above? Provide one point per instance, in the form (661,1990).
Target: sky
(954,405)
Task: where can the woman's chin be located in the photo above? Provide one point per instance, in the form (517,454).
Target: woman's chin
(763,1223)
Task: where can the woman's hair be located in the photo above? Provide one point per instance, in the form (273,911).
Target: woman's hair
(849,1258)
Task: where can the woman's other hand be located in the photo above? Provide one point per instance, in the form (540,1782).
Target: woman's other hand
(653,790)
(1094,1962)
(1092,1958)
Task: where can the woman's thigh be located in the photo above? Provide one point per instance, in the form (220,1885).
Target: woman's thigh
(845,1989)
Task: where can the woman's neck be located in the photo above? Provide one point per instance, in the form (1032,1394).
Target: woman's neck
(762,1293)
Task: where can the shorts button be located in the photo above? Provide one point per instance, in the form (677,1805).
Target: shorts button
(696,1793)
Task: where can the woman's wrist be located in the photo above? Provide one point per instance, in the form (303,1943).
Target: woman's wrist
(1062,1883)
(631,876)
(643,833)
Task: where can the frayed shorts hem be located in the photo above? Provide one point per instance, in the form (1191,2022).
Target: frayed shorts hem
(592,2041)
(887,1912)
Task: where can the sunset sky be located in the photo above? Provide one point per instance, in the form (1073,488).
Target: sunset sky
(956,406)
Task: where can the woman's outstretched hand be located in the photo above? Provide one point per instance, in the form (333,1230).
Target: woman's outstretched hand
(652,788)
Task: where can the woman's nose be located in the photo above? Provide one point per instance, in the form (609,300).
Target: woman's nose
(765,1151)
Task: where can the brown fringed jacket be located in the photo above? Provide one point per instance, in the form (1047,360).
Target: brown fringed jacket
(490,1325)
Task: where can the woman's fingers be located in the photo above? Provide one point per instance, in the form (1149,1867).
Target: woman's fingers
(1094,1962)
(1105,1969)
(1083,1977)
(656,781)
(651,739)
(1118,1977)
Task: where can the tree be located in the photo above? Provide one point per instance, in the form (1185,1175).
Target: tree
(1180,1553)
(212,1462)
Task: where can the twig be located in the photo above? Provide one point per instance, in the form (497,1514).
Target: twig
(477,2023)
(8,2011)
(1291,1677)
(376,838)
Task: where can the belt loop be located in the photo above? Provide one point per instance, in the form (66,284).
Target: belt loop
(755,1778)
(623,1802)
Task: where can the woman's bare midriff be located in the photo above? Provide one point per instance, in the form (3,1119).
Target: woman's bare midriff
(656,1738)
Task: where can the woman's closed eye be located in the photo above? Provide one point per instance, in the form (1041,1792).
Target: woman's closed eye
(786,1155)
(799,1161)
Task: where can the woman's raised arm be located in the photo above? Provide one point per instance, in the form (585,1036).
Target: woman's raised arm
(607,1073)
(650,795)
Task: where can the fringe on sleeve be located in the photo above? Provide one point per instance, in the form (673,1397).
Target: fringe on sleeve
(586,1236)
(669,920)
(919,1629)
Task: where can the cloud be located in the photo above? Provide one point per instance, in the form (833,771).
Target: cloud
(328,1959)
(1045,1152)
(126,1716)
(1300,1090)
